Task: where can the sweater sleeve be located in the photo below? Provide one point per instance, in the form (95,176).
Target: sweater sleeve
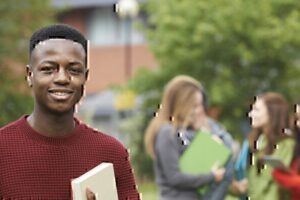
(167,153)
(290,181)
(284,151)
(220,131)
(126,185)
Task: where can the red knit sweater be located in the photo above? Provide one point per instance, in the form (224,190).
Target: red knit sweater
(33,166)
(289,180)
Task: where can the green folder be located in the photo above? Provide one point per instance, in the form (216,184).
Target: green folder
(200,156)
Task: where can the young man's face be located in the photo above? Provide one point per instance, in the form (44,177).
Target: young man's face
(57,74)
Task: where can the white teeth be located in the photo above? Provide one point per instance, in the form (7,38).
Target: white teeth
(61,93)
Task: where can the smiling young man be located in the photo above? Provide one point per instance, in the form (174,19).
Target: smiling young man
(42,152)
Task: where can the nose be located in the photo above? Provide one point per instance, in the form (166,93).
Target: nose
(298,123)
(62,77)
(250,114)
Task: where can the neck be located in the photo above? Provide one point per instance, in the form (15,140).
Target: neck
(52,125)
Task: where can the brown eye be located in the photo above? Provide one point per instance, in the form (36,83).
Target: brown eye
(75,70)
(47,69)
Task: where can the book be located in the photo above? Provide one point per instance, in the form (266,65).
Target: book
(100,180)
(274,162)
(241,165)
(202,154)
(242,161)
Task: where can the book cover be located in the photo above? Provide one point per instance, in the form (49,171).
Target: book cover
(202,154)
(274,162)
(100,180)
(242,161)
(241,165)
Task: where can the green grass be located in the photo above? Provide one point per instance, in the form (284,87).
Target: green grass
(148,190)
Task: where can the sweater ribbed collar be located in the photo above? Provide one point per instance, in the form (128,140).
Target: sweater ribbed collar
(38,137)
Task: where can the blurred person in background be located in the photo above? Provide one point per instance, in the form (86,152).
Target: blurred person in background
(269,120)
(183,108)
(290,179)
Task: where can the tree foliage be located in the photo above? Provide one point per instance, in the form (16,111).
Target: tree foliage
(18,19)
(235,48)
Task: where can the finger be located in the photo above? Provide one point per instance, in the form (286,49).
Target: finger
(215,165)
(244,181)
(90,195)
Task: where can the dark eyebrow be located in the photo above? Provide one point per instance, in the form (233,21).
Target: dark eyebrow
(75,63)
(54,63)
(48,62)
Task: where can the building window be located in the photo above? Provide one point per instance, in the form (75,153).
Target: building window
(105,28)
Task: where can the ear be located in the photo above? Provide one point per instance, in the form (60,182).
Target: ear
(29,75)
(87,74)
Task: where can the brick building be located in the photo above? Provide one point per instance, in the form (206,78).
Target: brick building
(108,35)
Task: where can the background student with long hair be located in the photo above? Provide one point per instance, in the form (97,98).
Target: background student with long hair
(182,108)
(269,118)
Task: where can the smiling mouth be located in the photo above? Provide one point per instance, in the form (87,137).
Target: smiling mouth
(61,94)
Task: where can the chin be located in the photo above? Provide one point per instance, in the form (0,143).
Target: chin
(256,126)
(63,106)
(59,110)
(253,125)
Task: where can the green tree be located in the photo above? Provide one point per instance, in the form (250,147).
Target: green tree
(17,21)
(236,48)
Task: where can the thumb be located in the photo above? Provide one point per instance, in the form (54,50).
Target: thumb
(90,195)
(216,165)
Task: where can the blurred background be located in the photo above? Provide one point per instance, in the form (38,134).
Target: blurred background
(236,48)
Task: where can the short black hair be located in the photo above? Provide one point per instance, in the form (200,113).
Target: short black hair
(61,31)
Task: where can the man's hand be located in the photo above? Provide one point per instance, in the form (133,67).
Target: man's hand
(90,195)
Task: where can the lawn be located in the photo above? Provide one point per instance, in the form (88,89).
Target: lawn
(148,190)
